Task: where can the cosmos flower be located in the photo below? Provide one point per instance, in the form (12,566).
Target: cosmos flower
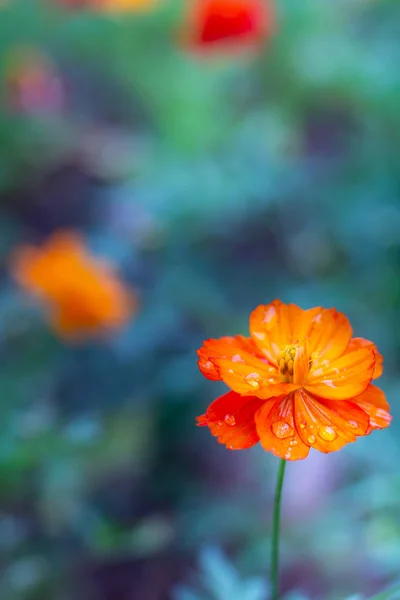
(227,24)
(299,381)
(83,294)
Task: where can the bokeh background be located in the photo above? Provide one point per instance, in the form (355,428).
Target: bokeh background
(214,184)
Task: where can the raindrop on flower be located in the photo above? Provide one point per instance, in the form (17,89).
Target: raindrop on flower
(230,420)
(303,425)
(237,358)
(311,439)
(253,379)
(327,433)
(353,424)
(282,429)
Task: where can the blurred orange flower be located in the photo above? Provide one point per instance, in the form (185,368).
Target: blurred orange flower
(227,24)
(299,382)
(84,294)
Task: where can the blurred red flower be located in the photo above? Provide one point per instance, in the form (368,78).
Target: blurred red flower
(299,382)
(84,294)
(227,24)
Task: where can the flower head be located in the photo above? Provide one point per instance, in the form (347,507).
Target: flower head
(299,381)
(84,294)
(227,24)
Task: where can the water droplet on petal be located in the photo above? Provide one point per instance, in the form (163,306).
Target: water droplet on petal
(253,379)
(293,442)
(230,420)
(327,433)
(237,358)
(353,424)
(312,439)
(303,425)
(288,454)
(282,429)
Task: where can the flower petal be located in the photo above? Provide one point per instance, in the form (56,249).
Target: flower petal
(277,431)
(202,421)
(327,425)
(356,343)
(259,380)
(237,349)
(374,403)
(343,378)
(231,419)
(275,326)
(330,334)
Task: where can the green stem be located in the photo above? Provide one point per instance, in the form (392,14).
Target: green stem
(275,533)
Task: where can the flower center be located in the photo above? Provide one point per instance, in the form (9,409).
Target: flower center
(286,360)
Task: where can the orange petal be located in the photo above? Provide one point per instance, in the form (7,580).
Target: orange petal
(202,421)
(46,270)
(259,380)
(330,334)
(277,431)
(356,343)
(231,419)
(374,403)
(237,349)
(275,326)
(73,326)
(327,425)
(343,378)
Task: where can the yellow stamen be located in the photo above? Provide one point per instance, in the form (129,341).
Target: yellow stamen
(286,360)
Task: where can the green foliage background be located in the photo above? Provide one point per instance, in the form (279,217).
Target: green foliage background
(215,185)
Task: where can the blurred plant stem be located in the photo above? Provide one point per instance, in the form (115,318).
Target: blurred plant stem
(276,533)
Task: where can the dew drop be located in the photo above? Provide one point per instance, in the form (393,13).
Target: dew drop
(327,433)
(230,420)
(237,358)
(288,454)
(293,443)
(353,424)
(282,429)
(312,439)
(253,379)
(303,425)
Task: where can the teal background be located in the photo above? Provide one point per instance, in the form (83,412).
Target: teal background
(215,185)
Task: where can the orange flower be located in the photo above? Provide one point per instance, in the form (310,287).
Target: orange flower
(299,382)
(227,23)
(84,294)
